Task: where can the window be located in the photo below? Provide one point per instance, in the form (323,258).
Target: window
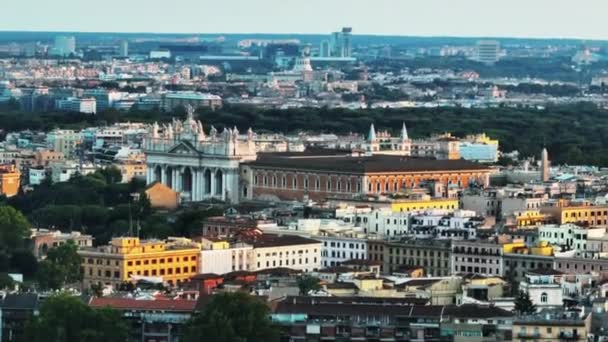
(543,297)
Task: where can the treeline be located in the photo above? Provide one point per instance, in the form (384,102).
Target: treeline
(98,205)
(573,134)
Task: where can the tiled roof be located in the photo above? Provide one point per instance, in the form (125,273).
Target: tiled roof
(147,305)
(369,164)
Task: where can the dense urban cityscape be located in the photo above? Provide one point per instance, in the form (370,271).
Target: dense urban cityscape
(344,186)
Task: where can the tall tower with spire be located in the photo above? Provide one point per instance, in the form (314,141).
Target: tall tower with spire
(405,143)
(372,141)
(544,165)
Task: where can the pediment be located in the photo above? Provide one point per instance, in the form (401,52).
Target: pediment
(183,147)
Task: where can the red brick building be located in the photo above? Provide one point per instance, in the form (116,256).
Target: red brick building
(292,176)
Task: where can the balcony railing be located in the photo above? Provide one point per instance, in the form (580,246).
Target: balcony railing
(528,334)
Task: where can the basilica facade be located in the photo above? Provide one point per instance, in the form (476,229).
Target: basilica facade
(198,166)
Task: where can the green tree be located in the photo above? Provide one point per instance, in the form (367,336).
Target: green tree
(308,283)
(523,304)
(14,229)
(24,262)
(111,174)
(61,267)
(6,281)
(232,317)
(64,318)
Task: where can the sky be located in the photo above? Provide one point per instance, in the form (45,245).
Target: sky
(584,19)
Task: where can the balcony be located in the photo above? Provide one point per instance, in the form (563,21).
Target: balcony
(568,336)
(528,335)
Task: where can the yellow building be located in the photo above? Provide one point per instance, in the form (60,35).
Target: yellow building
(531,218)
(174,261)
(481,139)
(10,180)
(130,170)
(209,243)
(585,215)
(519,247)
(410,205)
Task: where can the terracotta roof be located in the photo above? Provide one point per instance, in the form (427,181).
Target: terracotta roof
(134,304)
(368,164)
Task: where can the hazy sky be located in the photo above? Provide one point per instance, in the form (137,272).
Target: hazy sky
(513,18)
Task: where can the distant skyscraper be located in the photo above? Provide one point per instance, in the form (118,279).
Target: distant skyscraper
(324,49)
(544,165)
(347,48)
(124,48)
(488,51)
(341,43)
(64,46)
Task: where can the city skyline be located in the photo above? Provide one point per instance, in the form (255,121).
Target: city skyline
(470,18)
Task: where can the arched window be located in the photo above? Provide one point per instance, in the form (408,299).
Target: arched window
(543,297)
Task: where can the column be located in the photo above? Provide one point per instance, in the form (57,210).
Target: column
(149,169)
(163,175)
(174,179)
(224,175)
(201,176)
(180,179)
(212,193)
(196,185)
(193,189)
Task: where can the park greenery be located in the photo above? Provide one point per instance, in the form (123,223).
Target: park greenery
(232,317)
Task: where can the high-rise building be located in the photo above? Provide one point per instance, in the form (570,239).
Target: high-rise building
(544,164)
(488,51)
(340,43)
(123,50)
(347,33)
(64,46)
(324,49)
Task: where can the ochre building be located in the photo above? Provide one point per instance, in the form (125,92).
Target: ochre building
(294,176)
(174,261)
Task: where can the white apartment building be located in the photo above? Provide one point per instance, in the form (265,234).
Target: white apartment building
(238,257)
(383,222)
(543,287)
(569,236)
(445,224)
(340,241)
(75,104)
(37,175)
(290,251)
(342,247)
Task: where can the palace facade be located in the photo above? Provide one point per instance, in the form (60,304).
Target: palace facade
(296,176)
(198,166)
(231,167)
